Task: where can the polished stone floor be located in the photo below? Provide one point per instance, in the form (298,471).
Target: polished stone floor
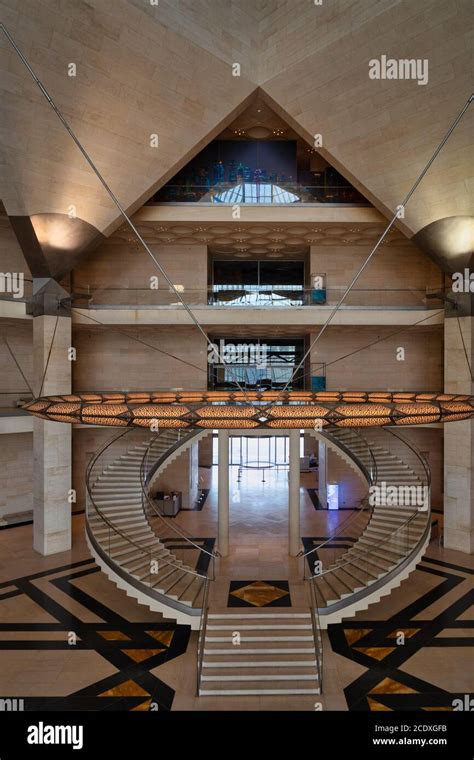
(70,639)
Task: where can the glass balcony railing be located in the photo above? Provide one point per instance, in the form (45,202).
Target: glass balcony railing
(256,296)
(258,193)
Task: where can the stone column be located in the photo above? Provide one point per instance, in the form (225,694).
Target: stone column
(459,439)
(51,440)
(294,539)
(323,473)
(223,493)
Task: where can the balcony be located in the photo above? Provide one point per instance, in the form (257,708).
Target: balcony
(261,193)
(226,297)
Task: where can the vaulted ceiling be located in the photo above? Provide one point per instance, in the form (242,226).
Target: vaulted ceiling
(167,69)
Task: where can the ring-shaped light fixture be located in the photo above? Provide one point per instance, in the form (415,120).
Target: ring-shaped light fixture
(253,409)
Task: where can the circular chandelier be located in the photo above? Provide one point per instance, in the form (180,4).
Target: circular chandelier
(253,409)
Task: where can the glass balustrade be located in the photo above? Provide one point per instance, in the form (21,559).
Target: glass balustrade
(263,192)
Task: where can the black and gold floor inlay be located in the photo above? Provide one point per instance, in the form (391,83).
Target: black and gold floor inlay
(386,684)
(259,594)
(133,649)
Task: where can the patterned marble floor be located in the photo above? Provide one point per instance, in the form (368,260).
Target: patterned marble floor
(70,639)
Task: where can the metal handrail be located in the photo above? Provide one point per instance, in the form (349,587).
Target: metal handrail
(317,632)
(417,453)
(389,538)
(174,447)
(98,454)
(342,526)
(113,527)
(145,479)
(202,636)
(373,546)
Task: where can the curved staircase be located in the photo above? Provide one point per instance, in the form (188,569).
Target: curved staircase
(155,561)
(127,535)
(395,534)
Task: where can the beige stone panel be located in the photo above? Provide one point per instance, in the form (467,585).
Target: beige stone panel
(128,267)
(19,334)
(51,484)
(228,30)
(52,440)
(292,321)
(13,309)
(16,471)
(16,424)
(277,214)
(205,451)
(377,367)
(294,29)
(11,255)
(459,439)
(107,360)
(134,78)
(405,272)
(456,368)
(381,133)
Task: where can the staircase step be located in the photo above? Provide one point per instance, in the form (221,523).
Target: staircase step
(190,595)
(126,521)
(118,538)
(116,499)
(385,549)
(353,584)
(266,639)
(381,566)
(267,651)
(258,615)
(154,579)
(180,588)
(145,546)
(165,586)
(256,692)
(258,627)
(364,576)
(248,664)
(253,677)
(140,562)
(325,591)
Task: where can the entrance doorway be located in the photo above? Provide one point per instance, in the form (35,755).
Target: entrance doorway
(257,452)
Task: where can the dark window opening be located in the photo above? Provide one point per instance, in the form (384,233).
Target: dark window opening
(256,364)
(258,283)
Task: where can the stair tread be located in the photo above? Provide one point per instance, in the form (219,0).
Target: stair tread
(255,692)
(263,677)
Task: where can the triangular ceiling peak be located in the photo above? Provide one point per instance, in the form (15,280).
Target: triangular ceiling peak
(259,143)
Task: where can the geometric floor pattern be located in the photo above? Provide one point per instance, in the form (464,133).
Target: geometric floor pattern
(438,622)
(132,648)
(259,594)
(378,646)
